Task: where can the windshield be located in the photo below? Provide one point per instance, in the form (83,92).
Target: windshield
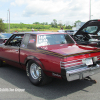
(5,35)
(90,29)
(53,39)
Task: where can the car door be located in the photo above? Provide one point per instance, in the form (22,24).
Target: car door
(11,51)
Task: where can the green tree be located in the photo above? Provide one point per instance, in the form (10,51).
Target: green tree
(68,27)
(46,23)
(76,22)
(54,23)
(2,26)
(36,23)
(21,25)
(60,24)
(43,23)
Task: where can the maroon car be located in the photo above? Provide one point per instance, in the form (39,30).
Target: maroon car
(47,55)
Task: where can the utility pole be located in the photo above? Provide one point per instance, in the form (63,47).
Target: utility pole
(90,10)
(9,19)
(7,23)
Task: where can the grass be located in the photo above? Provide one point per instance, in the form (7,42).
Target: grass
(28,30)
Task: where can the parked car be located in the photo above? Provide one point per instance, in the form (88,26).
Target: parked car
(88,34)
(50,55)
(4,37)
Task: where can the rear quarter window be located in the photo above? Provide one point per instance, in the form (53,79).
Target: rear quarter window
(25,41)
(32,42)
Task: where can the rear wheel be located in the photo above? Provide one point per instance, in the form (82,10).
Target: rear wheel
(36,74)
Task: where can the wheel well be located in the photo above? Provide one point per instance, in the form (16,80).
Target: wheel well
(27,62)
(35,61)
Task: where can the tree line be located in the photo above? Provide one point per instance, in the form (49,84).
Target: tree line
(2,26)
(36,25)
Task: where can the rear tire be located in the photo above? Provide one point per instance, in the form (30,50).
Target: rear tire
(36,74)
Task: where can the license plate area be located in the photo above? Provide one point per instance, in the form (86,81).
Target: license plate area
(88,61)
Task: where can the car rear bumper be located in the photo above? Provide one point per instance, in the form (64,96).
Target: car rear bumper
(82,73)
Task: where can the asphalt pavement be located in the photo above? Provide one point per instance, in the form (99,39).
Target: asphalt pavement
(14,85)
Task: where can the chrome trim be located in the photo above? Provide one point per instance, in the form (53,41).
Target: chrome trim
(71,61)
(73,66)
(81,73)
(70,64)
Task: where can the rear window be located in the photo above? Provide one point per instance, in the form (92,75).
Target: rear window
(53,39)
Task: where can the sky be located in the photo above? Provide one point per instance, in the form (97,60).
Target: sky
(64,11)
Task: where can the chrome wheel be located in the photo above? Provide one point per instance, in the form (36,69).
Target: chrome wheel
(36,74)
(34,71)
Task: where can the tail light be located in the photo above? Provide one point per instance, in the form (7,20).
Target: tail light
(80,62)
(72,63)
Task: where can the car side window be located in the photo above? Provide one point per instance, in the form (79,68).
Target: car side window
(15,40)
(32,42)
(25,41)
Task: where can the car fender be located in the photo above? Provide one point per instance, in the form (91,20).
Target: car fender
(34,59)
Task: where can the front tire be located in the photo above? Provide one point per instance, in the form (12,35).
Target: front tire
(36,74)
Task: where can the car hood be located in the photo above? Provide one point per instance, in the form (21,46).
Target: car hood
(70,49)
(89,23)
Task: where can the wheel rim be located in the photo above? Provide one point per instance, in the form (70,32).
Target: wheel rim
(34,71)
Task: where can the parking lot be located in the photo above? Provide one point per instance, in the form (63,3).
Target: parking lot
(14,85)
